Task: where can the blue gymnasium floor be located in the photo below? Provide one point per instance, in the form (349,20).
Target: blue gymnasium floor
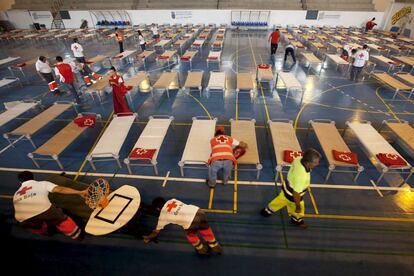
(353,229)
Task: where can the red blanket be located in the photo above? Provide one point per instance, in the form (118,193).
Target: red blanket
(290,155)
(85,121)
(347,157)
(139,153)
(391,160)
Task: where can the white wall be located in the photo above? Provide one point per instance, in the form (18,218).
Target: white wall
(22,19)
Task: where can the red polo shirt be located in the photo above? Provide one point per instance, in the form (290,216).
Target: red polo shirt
(275,37)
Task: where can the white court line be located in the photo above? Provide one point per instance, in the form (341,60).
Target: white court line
(376,188)
(203,180)
(166,179)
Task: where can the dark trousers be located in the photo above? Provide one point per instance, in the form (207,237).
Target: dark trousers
(143,46)
(81,59)
(273,48)
(72,88)
(355,72)
(52,216)
(291,52)
(48,77)
(121,46)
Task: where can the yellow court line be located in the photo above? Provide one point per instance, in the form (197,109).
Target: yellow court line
(210,201)
(386,105)
(313,201)
(202,106)
(323,92)
(93,146)
(365,218)
(218,211)
(237,71)
(235,189)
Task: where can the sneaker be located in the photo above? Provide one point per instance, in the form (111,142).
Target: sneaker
(265,213)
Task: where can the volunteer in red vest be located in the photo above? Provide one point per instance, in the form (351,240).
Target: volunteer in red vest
(370,25)
(359,59)
(191,218)
(34,210)
(294,188)
(274,41)
(222,157)
(45,72)
(65,72)
(120,39)
(118,92)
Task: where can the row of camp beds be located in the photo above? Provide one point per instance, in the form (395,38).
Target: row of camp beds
(399,82)
(330,139)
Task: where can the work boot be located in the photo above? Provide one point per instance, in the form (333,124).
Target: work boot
(302,225)
(265,213)
(216,248)
(202,250)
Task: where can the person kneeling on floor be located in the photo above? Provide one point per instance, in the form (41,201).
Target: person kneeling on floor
(294,188)
(191,218)
(34,210)
(222,156)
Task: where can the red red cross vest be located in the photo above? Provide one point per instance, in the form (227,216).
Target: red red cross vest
(66,71)
(221,149)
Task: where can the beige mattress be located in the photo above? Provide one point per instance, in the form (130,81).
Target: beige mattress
(311,58)
(265,74)
(167,80)
(194,79)
(243,130)
(245,81)
(391,81)
(284,138)
(404,131)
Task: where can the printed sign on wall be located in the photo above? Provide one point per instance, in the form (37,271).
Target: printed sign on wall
(181,14)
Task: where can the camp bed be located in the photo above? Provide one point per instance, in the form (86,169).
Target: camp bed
(167,81)
(406,39)
(377,48)
(112,139)
(283,138)
(194,81)
(396,48)
(318,46)
(245,82)
(52,149)
(8,81)
(197,148)
(141,81)
(335,59)
(145,55)
(330,139)
(180,44)
(373,39)
(7,60)
(243,129)
(20,67)
(97,88)
(214,56)
(339,38)
(167,56)
(291,84)
(217,44)
(265,75)
(216,83)
(298,45)
(373,143)
(393,83)
(119,59)
(410,48)
(407,78)
(311,59)
(188,56)
(407,60)
(31,127)
(15,109)
(402,133)
(198,44)
(162,44)
(391,64)
(96,60)
(151,138)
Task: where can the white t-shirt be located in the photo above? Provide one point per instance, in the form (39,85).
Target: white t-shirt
(141,40)
(154,30)
(43,67)
(290,46)
(176,212)
(32,199)
(361,56)
(77,49)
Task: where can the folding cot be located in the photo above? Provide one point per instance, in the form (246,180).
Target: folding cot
(141,81)
(167,56)
(330,139)
(197,148)
(407,78)
(127,55)
(243,129)
(291,84)
(298,45)
(112,139)
(8,81)
(396,48)
(373,144)
(162,44)
(19,67)
(145,55)
(7,60)
(373,39)
(283,138)
(318,46)
(265,75)
(98,87)
(339,38)
(393,83)
(151,138)
(389,62)
(198,44)
(15,109)
(59,142)
(245,82)
(406,39)
(214,56)
(28,129)
(188,56)
(96,60)
(323,38)
(167,81)
(410,48)
(216,83)
(335,59)
(180,44)
(311,59)
(217,44)
(407,60)
(380,49)
(402,132)
(194,81)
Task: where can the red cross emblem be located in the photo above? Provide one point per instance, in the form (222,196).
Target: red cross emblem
(361,55)
(171,206)
(89,122)
(24,190)
(392,156)
(76,47)
(140,151)
(344,157)
(295,154)
(222,139)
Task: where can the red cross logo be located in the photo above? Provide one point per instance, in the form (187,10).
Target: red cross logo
(171,206)
(140,151)
(344,157)
(392,156)
(89,122)
(24,190)
(295,154)
(76,47)
(222,139)
(361,55)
